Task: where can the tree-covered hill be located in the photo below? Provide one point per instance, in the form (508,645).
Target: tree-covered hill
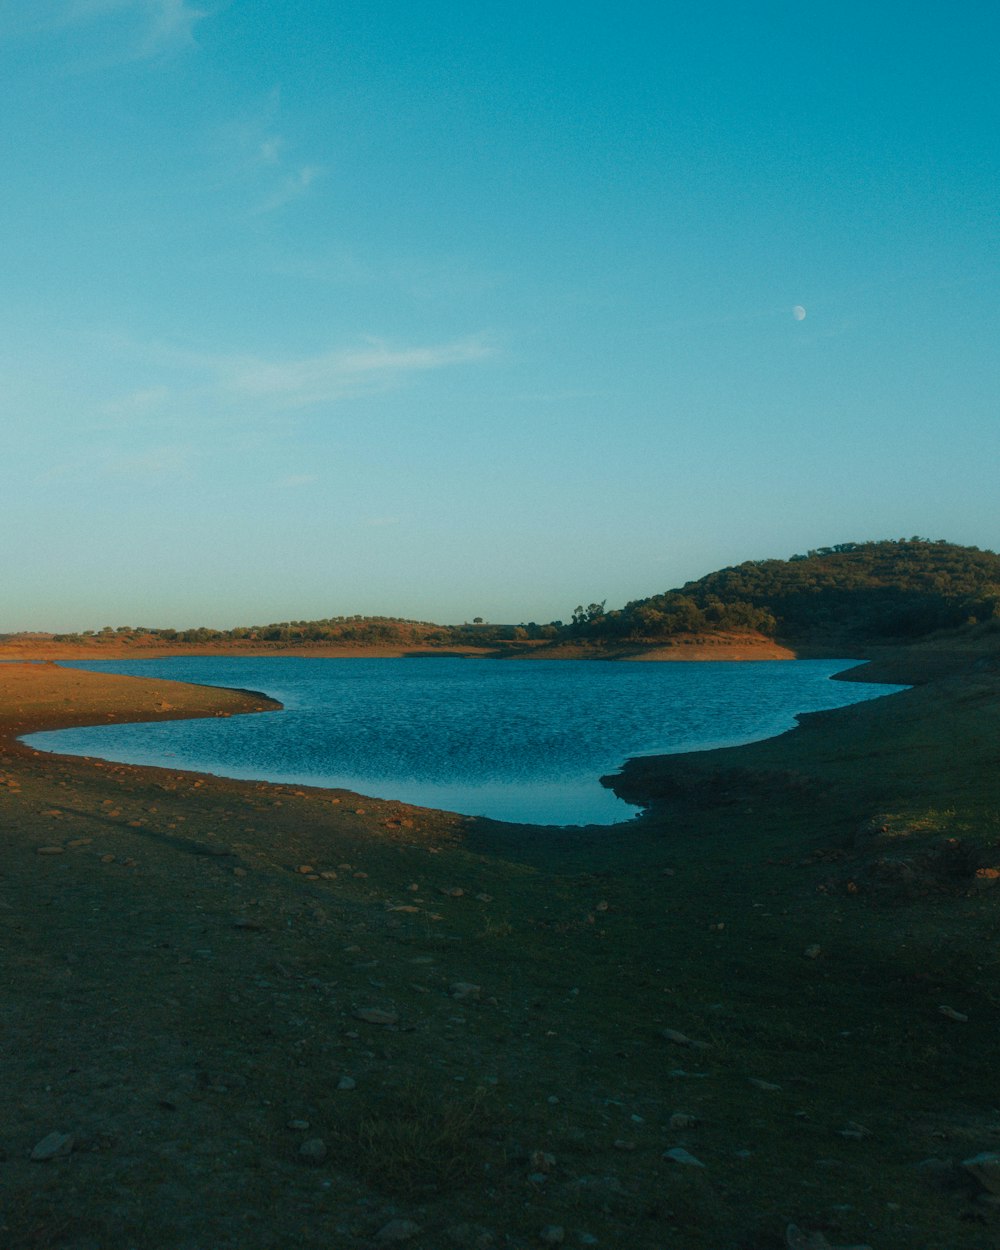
(889,590)
(893,590)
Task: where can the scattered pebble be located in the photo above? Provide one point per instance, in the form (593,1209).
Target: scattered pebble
(464,989)
(681,1039)
(985,1168)
(679,1155)
(375,1015)
(54,1146)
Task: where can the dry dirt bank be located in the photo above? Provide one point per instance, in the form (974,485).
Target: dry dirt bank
(262,1016)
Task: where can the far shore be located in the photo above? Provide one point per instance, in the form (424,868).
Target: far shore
(694,647)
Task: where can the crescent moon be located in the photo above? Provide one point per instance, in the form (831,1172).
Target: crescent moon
(799,313)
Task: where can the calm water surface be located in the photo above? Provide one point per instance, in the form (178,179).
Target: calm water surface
(519,740)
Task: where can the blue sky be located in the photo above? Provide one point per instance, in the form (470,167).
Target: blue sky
(451,310)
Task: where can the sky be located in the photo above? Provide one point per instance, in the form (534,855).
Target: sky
(445,310)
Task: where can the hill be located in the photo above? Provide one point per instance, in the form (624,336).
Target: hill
(876,592)
(852,594)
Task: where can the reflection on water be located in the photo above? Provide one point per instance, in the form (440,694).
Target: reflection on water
(520,740)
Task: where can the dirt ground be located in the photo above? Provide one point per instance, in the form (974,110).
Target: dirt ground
(242,1015)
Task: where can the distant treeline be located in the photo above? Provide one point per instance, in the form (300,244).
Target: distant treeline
(894,589)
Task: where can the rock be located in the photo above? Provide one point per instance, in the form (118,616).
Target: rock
(542,1161)
(55,1146)
(813,952)
(397,1230)
(375,1015)
(679,1155)
(796,1239)
(681,1119)
(305,869)
(985,1168)
(347,1082)
(464,989)
(766,1085)
(552,1235)
(952,1014)
(681,1039)
(313,1150)
(49,850)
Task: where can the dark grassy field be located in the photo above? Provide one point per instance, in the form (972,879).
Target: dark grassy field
(469,1034)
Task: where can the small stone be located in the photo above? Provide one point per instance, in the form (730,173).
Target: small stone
(313,1150)
(813,952)
(542,1161)
(464,989)
(796,1239)
(79,842)
(552,1235)
(375,1015)
(621,1143)
(305,869)
(347,1082)
(107,859)
(681,1039)
(767,1085)
(49,850)
(55,1146)
(397,1230)
(681,1119)
(679,1155)
(985,1168)
(299,1126)
(952,1014)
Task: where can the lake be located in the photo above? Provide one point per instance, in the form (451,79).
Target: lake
(517,740)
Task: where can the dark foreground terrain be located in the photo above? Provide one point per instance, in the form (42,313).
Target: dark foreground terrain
(238,1015)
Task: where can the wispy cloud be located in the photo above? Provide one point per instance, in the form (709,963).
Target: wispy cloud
(335,374)
(253,150)
(177,388)
(293,186)
(131,30)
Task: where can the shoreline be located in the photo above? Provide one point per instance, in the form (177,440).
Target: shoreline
(262,701)
(197,968)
